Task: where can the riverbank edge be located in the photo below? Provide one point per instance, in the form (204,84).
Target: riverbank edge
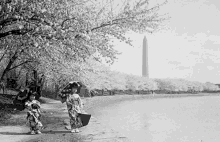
(98,101)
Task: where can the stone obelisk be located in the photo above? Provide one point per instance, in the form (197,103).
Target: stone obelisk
(145,69)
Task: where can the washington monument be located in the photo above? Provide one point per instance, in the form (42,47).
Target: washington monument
(145,72)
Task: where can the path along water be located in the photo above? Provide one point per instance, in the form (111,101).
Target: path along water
(191,119)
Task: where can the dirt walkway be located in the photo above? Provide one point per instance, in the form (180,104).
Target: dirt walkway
(55,120)
(95,131)
(51,112)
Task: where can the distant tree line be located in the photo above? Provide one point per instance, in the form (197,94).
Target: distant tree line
(115,82)
(101,80)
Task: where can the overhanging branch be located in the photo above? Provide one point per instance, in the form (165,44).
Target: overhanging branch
(104,25)
(4,22)
(62,24)
(20,65)
(14,32)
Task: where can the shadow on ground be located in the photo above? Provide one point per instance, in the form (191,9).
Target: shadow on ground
(55,132)
(28,133)
(14,133)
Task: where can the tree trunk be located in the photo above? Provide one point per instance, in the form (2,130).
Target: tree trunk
(41,82)
(11,61)
(56,91)
(27,78)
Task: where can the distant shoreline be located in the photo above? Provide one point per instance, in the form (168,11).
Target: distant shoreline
(99,101)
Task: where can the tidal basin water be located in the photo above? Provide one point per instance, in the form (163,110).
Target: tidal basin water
(190,119)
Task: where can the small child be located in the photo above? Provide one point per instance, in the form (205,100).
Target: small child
(33,114)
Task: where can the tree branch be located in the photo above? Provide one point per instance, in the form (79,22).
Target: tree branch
(118,20)
(14,32)
(62,24)
(8,20)
(104,25)
(19,65)
(4,54)
(113,22)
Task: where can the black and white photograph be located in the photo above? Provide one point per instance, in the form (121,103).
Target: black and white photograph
(109,71)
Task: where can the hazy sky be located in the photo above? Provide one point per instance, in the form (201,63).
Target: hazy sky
(189,49)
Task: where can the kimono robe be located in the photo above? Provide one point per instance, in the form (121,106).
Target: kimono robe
(74,105)
(33,115)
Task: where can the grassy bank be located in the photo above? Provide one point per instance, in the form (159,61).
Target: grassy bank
(6,108)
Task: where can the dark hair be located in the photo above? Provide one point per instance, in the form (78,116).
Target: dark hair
(35,106)
(30,94)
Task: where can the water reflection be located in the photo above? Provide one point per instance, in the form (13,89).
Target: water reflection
(166,120)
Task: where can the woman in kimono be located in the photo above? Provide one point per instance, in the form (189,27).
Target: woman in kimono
(74,105)
(33,114)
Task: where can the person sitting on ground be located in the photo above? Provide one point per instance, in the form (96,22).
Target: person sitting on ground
(33,114)
(20,99)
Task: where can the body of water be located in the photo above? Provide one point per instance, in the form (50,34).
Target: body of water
(190,119)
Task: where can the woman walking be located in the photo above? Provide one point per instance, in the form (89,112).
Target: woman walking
(74,106)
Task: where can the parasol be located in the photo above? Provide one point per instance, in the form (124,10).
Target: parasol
(67,89)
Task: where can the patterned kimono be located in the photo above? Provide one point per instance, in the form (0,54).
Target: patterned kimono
(74,104)
(33,115)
